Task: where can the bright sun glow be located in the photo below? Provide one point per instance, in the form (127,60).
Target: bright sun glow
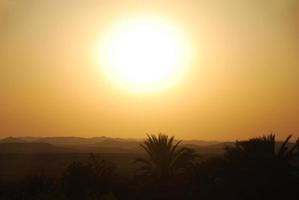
(144,54)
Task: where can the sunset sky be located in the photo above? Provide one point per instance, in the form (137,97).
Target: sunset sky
(241,80)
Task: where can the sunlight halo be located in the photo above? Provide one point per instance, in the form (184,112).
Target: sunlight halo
(144,54)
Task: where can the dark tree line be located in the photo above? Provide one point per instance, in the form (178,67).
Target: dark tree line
(256,169)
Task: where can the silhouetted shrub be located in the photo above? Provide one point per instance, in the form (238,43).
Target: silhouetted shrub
(35,187)
(88,181)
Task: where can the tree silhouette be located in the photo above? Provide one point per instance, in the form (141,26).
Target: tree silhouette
(297,143)
(165,157)
(88,181)
(262,148)
(264,164)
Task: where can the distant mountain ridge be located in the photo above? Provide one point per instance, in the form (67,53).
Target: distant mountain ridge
(12,140)
(79,144)
(106,141)
(21,148)
(96,145)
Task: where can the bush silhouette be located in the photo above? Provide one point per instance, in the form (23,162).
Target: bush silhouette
(87,181)
(35,187)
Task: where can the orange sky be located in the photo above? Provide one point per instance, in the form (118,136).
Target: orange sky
(244,78)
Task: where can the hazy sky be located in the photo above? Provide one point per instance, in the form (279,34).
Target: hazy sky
(243,82)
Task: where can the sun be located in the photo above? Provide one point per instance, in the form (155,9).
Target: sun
(144,54)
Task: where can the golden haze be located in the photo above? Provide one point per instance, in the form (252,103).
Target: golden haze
(243,80)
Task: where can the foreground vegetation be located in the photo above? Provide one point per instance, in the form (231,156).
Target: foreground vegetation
(259,168)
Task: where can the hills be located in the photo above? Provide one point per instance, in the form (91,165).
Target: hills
(28,148)
(88,141)
(83,145)
(39,145)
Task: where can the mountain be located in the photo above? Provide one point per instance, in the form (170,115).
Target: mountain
(12,140)
(69,141)
(31,148)
(105,141)
(119,143)
(64,141)
(96,144)
(199,142)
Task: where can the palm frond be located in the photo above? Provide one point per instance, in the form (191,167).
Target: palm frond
(284,148)
(164,155)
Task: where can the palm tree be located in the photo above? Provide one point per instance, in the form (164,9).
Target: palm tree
(165,157)
(262,148)
(259,166)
